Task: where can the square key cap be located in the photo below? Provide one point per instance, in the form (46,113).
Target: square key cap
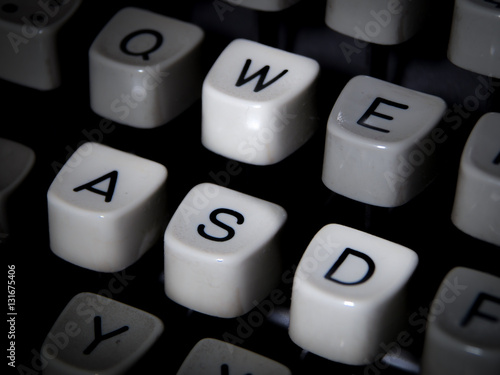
(381,142)
(348,294)
(475,36)
(258,103)
(463,327)
(476,209)
(221,251)
(98,335)
(145,68)
(28,46)
(385,22)
(106,208)
(215,357)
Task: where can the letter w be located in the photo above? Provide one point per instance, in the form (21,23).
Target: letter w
(262,74)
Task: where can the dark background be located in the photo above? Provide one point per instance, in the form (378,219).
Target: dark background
(52,122)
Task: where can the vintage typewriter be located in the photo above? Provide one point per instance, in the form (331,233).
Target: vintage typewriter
(56,87)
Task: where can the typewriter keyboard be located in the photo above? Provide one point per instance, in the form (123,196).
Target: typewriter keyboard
(251,187)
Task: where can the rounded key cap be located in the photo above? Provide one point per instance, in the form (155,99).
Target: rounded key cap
(29,47)
(476,208)
(348,295)
(222,251)
(475,36)
(145,68)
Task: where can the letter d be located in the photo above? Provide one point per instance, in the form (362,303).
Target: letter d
(345,254)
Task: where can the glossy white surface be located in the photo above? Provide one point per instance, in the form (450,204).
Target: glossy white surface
(28,45)
(385,22)
(476,208)
(474,42)
(463,327)
(258,103)
(381,142)
(97,226)
(222,251)
(145,68)
(75,345)
(16,161)
(348,296)
(215,357)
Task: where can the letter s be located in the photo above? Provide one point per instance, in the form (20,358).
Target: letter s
(213,218)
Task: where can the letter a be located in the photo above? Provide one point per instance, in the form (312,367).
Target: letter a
(108,194)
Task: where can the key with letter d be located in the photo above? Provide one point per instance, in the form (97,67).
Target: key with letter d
(349,281)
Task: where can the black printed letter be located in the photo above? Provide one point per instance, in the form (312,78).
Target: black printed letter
(262,74)
(474,310)
(213,218)
(342,258)
(100,337)
(113,176)
(371,112)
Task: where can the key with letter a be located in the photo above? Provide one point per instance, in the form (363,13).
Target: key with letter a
(106,208)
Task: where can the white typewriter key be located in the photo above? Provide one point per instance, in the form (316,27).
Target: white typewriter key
(463,326)
(215,357)
(258,103)
(222,251)
(97,335)
(106,208)
(264,5)
(381,142)
(476,209)
(348,295)
(475,36)
(385,22)
(144,68)
(29,41)
(16,161)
